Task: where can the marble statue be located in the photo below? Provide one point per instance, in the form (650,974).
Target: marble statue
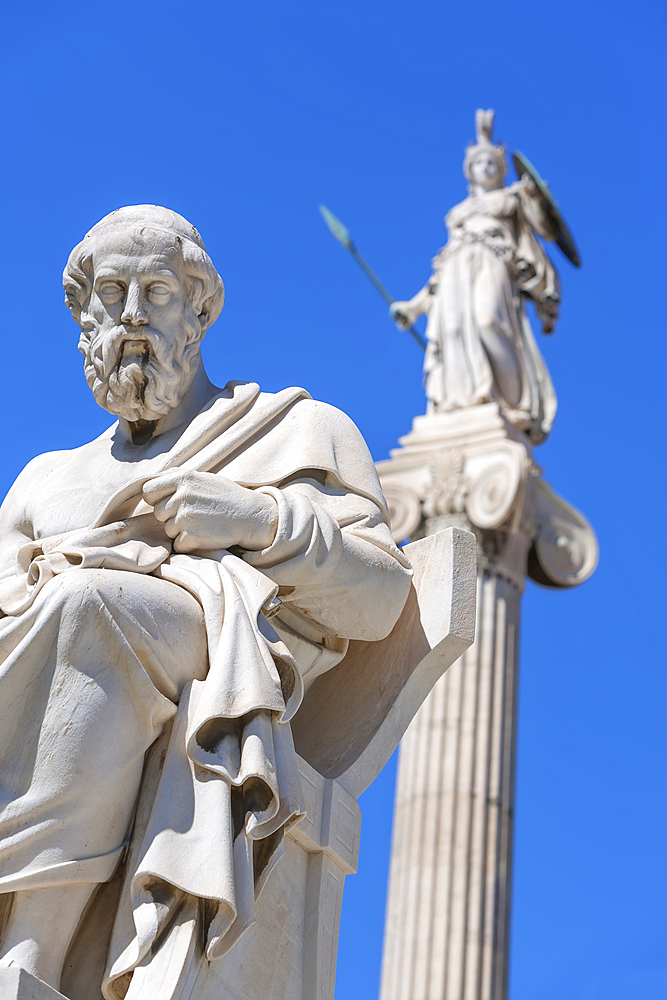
(480,344)
(185,577)
(469,463)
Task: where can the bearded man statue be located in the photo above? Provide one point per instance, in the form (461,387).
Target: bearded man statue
(180,579)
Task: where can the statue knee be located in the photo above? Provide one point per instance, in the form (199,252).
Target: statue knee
(85,590)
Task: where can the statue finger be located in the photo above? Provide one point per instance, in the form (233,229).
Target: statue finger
(164,509)
(186,542)
(172,529)
(160,487)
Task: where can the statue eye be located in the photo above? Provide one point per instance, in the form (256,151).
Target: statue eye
(159,293)
(111,292)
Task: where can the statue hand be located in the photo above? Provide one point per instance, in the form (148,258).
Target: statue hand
(399,313)
(529,186)
(203,512)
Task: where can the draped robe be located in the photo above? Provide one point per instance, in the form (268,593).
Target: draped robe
(108,638)
(480,343)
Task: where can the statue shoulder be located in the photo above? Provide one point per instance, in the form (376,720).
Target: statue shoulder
(458,213)
(318,418)
(317,435)
(41,466)
(503,202)
(28,481)
(51,463)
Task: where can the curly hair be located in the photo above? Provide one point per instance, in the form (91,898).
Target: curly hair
(206,291)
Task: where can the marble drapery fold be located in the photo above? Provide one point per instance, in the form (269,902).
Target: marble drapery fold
(230,752)
(230,761)
(480,343)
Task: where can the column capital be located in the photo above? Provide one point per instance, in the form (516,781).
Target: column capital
(473,469)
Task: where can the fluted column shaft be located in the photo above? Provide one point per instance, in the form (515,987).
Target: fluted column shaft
(446,934)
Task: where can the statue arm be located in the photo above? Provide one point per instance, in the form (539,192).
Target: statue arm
(334,559)
(15,523)
(405,313)
(321,536)
(537,279)
(535,209)
(328,548)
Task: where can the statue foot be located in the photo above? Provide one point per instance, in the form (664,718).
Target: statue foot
(16,983)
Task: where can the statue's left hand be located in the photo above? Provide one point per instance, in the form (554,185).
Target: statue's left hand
(529,186)
(202,512)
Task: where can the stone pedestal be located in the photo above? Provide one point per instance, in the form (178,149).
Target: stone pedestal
(447,924)
(17,984)
(301,959)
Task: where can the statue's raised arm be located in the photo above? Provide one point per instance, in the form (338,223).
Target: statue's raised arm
(480,343)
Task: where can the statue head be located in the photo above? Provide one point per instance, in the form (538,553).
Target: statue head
(484,164)
(144,291)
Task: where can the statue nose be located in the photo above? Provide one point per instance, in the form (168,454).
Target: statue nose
(134,313)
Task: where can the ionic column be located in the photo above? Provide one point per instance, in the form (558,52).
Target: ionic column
(446,935)
(446,932)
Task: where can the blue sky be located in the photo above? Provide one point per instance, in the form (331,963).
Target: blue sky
(243,118)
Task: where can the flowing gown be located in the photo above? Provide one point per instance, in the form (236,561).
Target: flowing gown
(480,343)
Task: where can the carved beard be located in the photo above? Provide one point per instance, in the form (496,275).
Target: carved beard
(139,384)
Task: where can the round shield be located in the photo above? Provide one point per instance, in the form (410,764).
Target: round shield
(564,239)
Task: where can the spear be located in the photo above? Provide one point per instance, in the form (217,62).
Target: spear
(342,234)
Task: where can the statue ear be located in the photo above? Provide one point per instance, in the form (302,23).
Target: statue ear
(212,305)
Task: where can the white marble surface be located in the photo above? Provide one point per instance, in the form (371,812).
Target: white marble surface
(469,463)
(472,467)
(480,343)
(17,984)
(177,584)
(447,924)
(448,912)
(290,951)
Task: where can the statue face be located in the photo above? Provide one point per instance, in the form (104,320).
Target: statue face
(143,348)
(485,171)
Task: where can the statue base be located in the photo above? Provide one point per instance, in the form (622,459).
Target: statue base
(17,984)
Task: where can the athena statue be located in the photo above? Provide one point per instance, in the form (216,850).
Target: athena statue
(480,343)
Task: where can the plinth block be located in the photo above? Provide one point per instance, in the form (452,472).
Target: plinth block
(17,984)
